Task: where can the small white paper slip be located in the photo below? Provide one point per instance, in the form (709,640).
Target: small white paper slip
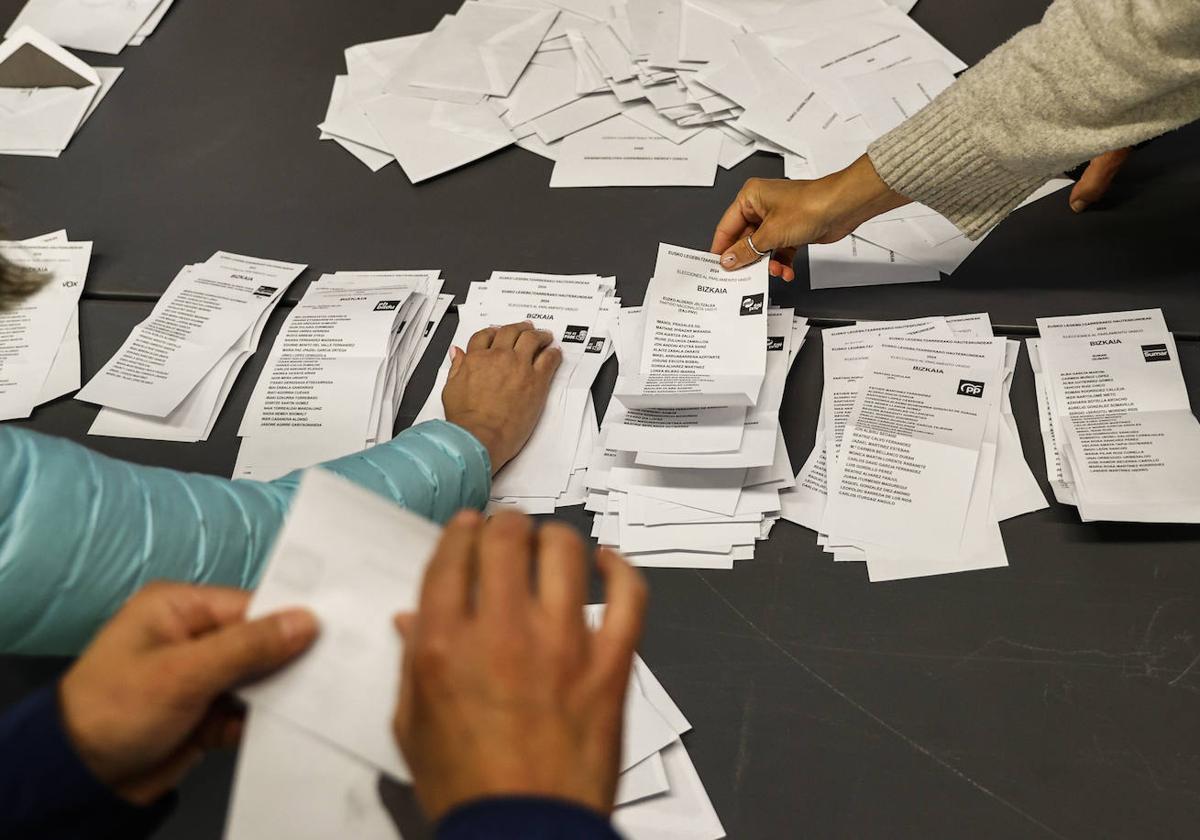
(853,261)
(104,26)
(290,783)
(355,560)
(619,152)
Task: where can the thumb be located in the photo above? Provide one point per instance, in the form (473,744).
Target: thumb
(405,623)
(1097,178)
(456,360)
(740,254)
(246,649)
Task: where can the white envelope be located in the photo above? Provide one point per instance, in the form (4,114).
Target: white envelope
(45,93)
(105,26)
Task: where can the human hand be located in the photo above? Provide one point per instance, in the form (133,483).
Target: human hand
(505,690)
(497,389)
(145,700)
(782,215)
(1097,178)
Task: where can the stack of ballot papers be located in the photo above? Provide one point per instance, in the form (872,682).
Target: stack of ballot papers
(334,379)
(579,311)
(39,337)
(171,377)
(1120,438)
(318,733)
(46,94)
(917,457)
(690,459)
(639,92)
(103,26)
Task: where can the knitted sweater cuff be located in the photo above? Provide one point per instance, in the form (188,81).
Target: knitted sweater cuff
(934,159)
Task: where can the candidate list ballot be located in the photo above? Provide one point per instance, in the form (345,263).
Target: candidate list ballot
(334,379)
(191,329)
(705,339)
(39,337)
(1126,446)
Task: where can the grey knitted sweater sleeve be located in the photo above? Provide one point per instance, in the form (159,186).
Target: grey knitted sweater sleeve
(1093,76)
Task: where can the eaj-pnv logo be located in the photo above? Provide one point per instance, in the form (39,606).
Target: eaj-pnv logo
(752,304)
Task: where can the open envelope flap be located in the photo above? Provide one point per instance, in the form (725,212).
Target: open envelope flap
(30,60)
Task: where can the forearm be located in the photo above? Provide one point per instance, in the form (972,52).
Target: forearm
(1093,76)
(47,791)
(82,532)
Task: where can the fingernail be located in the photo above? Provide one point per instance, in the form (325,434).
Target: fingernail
(1079,205)
(728,260)
(297,625)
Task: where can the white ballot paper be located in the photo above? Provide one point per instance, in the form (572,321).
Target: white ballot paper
(708,82)
(193,326)
(579,311)
(105,26)
(706,333)
(910,459)
(39,337)
(1126,442)
(333,381)
(621,153)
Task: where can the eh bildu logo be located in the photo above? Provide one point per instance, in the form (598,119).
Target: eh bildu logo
(969,388)
(752,304)
(595,345)
(574,334)
(774,343)
(265,291)
(1155,353)
(387,306)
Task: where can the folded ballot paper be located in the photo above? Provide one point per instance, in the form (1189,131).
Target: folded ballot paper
(335,377)
(171,377)
(104,26)
(319,734)
(639,93)
(580,312)
(1120,439)
(690,458)
(46,94)
(39,337)
(912,244)
(917,458)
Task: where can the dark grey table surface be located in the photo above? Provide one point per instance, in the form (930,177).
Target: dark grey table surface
(1059,697)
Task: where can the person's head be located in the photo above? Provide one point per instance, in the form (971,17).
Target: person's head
(16,283)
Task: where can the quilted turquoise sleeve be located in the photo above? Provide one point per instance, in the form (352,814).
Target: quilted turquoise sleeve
(81,532)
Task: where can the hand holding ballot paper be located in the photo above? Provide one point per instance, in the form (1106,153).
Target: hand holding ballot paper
(601,732)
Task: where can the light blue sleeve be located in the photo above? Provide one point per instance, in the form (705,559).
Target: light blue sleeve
(81,532)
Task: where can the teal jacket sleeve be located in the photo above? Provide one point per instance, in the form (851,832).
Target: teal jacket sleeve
(81,532)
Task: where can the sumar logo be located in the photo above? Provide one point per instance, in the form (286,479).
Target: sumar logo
(1155,353)
(574,334)
(774,343)
(752,304)
(265,291)
(387,305)
(967,388)
(596,345)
